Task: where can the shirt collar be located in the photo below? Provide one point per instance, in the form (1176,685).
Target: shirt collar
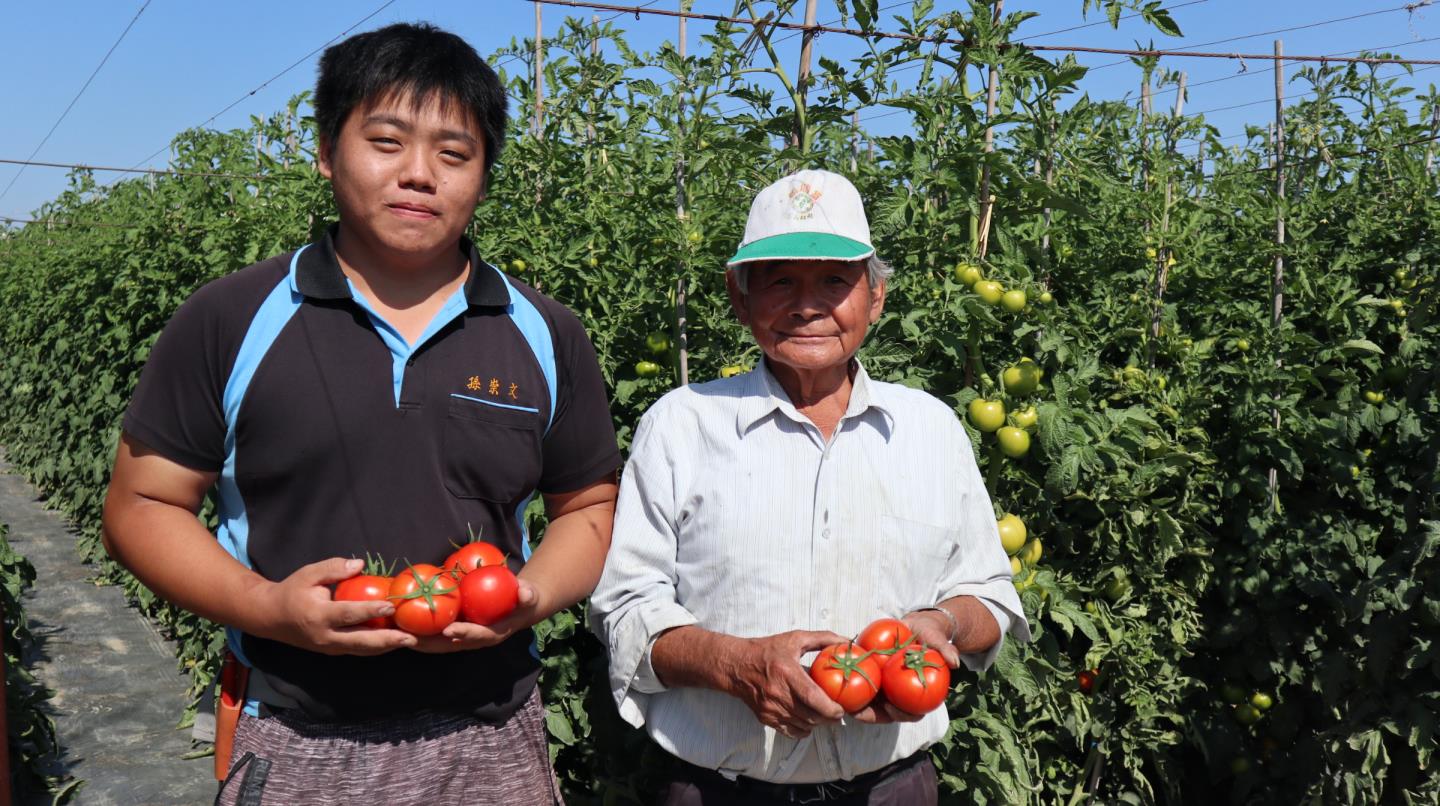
(318,275)
(762,394)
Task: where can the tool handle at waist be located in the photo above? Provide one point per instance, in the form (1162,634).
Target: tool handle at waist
(234,679)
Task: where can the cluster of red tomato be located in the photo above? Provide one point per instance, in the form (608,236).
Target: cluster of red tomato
(474,584)
(884,658)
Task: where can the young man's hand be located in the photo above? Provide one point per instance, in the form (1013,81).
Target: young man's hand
(463,635)
(300,611)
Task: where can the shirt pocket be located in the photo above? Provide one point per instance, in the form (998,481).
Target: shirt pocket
(917,558)
(491,452)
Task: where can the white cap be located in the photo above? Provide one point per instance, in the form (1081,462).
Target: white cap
(810,215)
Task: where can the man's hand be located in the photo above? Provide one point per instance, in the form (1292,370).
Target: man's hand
(300,611)
(462,635)
(880,712)
(934,630)
(768,678)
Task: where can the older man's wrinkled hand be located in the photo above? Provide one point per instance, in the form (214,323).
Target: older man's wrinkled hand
(768,678)
(934,630)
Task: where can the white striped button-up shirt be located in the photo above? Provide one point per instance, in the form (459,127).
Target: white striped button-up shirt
(737,516)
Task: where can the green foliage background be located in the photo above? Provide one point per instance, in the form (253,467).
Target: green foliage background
(1169,565)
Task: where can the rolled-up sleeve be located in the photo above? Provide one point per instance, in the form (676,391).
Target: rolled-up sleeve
(979,567)
(635,600)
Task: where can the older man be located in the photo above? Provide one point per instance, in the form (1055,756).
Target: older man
(763,516)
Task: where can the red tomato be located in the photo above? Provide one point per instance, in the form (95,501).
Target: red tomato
(367,588)
(1086,679)
(473,555)
(426,599)
(488,594)
(916,680)
(884,636)
(848,674)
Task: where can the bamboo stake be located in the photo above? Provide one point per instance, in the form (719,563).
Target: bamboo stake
(987,202)
(1145,133)
(539,71)
(1049,184)
(1162,254)
(595,55)
(539,122)
(855,142)
(1277,287)
(1434,126)
(681,314)
(801,135)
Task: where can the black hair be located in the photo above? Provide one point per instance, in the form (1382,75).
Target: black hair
(418,60)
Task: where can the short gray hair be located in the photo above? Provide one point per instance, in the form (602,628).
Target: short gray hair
(876,270)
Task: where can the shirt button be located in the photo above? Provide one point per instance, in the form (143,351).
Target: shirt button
(825,532)
(824,614)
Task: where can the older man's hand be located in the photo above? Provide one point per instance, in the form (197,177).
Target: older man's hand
(769,679)
(934,630)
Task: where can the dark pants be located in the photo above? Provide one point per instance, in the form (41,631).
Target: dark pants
(908,782)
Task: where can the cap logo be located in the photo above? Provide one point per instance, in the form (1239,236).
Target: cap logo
(803,199)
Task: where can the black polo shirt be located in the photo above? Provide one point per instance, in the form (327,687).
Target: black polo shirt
(334,437)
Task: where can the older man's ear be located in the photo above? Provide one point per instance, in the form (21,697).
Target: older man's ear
(737,297)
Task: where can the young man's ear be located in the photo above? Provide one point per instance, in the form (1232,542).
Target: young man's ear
(322,157)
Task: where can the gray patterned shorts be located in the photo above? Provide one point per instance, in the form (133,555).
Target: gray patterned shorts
(428,758)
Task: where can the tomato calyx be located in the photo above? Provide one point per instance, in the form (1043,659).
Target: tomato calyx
(428,586)
(916,659)
(850,663)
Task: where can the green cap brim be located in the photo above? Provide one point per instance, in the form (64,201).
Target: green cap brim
(802,246)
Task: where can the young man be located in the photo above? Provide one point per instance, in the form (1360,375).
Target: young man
(381,391)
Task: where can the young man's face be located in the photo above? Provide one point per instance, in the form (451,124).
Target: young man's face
(406,179)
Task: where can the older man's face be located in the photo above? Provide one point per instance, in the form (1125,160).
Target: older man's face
(809,314)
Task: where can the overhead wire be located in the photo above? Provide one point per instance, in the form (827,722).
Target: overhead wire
(1103,22)
(876,34)
(1410,7)
(271,79)
(74,100)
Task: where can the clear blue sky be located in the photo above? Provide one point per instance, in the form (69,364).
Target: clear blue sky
(182,62)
